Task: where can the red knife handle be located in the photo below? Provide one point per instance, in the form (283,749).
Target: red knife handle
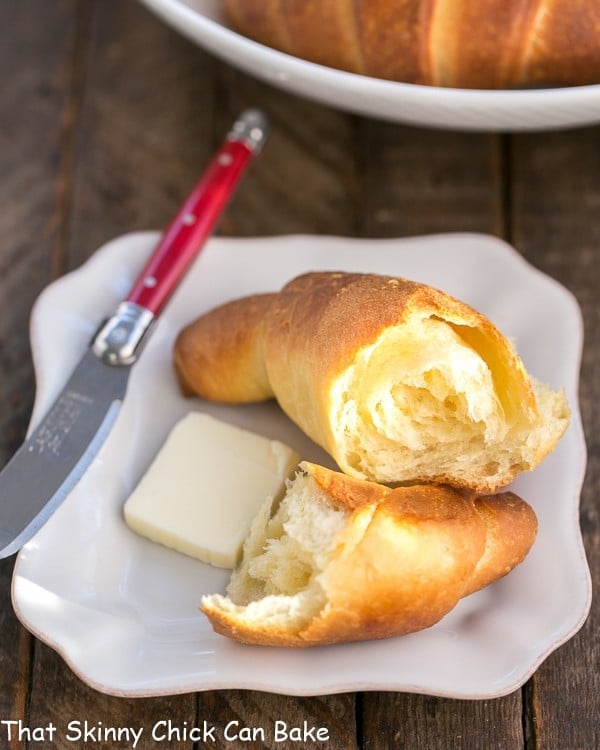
(120,338)
(193,224)
(189,230)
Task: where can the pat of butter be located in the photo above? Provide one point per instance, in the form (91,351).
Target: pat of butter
(205,486)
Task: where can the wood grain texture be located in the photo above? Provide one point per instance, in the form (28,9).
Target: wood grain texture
(59,696)
(555,209)
(36,107)
(35,144)
(307,178)
(427,181)
(145,128)
(414,721)
(276,716)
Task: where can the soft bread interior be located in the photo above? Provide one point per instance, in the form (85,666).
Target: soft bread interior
(277,583)
(341,559)
(397,381)
(433,399)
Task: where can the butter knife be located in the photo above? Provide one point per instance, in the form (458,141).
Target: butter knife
(63,444)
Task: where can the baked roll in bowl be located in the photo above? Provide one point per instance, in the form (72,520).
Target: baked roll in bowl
(399,382)
(341,559)
(475,44)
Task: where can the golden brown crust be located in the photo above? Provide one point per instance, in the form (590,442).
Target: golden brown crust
(319,320)
(220,354)
(407,572)
(324,33)
(302,347)
(511,523)
(265,18)
(424,548)
(460,43)
(341,489)
(394,39)
(564,45)
(487,58)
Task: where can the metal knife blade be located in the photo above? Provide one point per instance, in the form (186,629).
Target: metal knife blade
(61,447)
(46,468)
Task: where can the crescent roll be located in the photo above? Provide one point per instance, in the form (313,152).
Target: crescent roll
(342,559)
(481,44)
(397,381)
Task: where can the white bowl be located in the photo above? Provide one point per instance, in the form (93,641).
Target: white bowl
(202,21)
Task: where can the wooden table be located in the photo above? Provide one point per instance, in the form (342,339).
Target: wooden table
(107,116)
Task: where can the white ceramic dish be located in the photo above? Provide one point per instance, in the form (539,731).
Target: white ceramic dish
(122,611)
(202,21)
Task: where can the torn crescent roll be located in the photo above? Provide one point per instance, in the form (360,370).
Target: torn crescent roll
(397,381)
(342,559)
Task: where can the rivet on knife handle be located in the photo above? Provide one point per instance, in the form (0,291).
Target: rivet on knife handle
(120,339)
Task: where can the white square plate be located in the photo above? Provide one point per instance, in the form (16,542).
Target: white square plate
(123,612)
